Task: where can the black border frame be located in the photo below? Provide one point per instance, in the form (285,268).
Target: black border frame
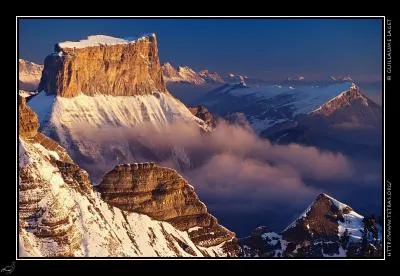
(385,84)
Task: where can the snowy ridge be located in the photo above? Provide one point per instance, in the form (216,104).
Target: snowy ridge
(104,110)
(97,40)
(99,229)
(353,87)
(336,202)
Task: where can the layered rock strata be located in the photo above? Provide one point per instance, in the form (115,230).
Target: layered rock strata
(163,194)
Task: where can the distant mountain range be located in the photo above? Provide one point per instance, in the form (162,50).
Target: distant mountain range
(29,75)
(185,74)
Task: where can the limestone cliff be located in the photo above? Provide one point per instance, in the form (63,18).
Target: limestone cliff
(122,68)
(163,194)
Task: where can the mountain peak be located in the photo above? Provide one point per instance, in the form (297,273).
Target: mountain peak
(327,228)
(349,97)
(212,77)
(326,218)
(339,205)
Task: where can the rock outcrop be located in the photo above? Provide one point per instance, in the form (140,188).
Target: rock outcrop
(202,112)
(27,120)
(125,68)
(163,194)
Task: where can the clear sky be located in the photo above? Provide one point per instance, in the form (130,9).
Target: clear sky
(271,49)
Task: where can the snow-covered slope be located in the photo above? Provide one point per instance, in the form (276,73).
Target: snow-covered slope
(65,119)
(103,110)
(29,75)
(60,216)
(267,105)
(350,122)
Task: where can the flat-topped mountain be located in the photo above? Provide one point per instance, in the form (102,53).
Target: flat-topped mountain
(103,65)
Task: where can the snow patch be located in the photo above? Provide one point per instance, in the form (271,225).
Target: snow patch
(97,40)
(194,229)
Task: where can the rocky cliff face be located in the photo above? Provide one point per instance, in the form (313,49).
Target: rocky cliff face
(163,194)
(101,65)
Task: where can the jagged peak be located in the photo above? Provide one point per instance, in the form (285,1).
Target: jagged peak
(204,71)
(97,40)
(343,99)
(186,68)
(168,65)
